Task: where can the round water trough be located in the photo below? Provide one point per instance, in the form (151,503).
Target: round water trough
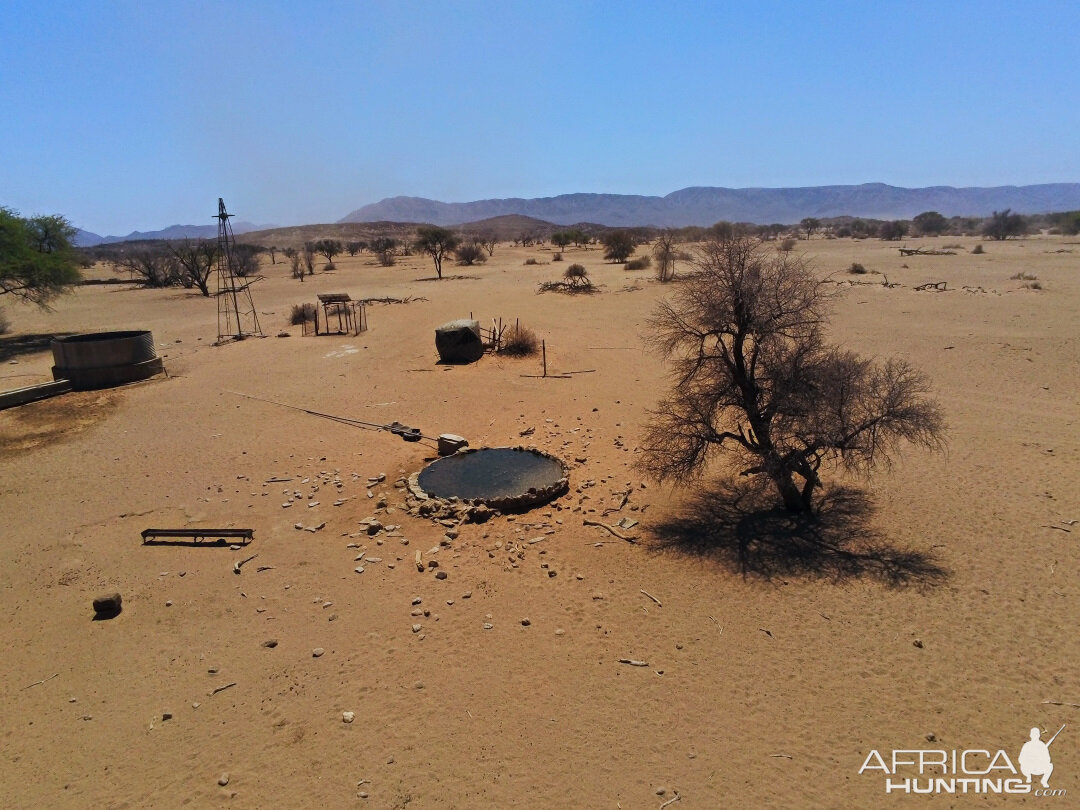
(105,359)
(504,478)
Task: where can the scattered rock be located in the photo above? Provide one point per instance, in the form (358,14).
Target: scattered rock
(416,628)
(317,652)
(223,780)
(525,622)
(488,625)
(918,643)
(348,717)
(107,605)
(440,574)
(270,643)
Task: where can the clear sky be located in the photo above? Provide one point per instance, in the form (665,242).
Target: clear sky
(139,114)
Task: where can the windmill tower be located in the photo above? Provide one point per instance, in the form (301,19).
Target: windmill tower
(236,316)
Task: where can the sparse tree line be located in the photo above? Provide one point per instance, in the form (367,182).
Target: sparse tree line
(38,260)
(187,263)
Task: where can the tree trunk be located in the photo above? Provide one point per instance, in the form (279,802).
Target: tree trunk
(794,500)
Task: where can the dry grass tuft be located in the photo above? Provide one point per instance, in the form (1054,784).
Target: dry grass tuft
(520,341)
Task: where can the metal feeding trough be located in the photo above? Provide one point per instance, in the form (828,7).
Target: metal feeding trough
(105,359)
(503,478)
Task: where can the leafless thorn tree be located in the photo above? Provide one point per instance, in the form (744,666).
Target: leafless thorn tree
(754,377)
(196,262)
(665,254)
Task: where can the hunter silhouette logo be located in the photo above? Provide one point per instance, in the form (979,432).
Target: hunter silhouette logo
(970,770)
(1035,757)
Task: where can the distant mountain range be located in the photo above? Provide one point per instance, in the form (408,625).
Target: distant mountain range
(706,205)
(700,205)
(88,239)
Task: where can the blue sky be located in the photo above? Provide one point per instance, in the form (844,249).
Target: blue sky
(137,115)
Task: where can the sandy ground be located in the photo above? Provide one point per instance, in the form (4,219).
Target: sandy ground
(949,611)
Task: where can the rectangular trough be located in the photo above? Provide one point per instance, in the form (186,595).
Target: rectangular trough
(20,396)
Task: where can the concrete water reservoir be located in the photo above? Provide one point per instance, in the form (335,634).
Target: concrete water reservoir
(504,478)
(105,359)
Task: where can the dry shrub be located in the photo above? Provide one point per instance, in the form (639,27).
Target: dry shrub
(857,269)
(531,260)
(575,280)
(786,246)
(557,257)
(301,313)
(5,324)
(640,263)
(1022,276)
(977,249)
(1033,285)
(520,342)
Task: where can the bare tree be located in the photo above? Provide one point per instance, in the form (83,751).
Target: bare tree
(893,230)
(753,376)
(272,250)
(385,250)
(488,241)
(308,257)
(296,264)
(665,254)
(154,265)
(245,259)
(1003,224)
(196,262)
(470,253)
(618,245)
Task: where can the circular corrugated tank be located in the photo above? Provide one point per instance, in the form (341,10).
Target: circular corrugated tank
(105,359)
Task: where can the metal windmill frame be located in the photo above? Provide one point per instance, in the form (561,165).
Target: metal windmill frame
(236,315)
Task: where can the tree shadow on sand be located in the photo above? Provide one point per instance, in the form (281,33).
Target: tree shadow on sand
(741,526)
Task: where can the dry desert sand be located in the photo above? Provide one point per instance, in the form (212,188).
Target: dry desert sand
(952,612)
